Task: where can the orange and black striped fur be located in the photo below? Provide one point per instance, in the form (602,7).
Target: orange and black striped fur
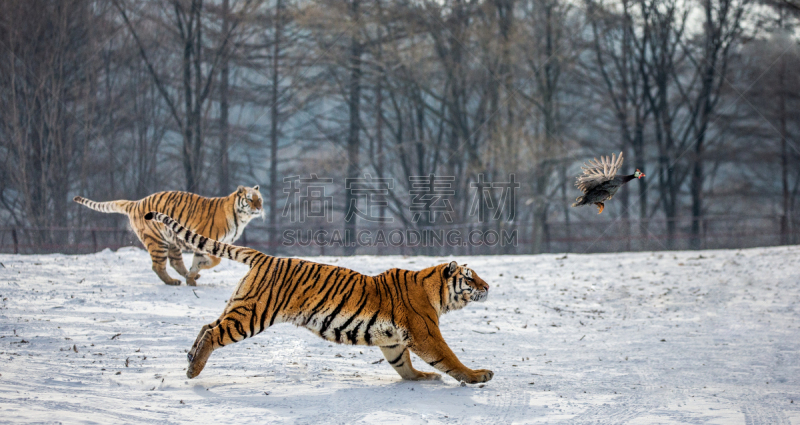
(223,219)
(397,310)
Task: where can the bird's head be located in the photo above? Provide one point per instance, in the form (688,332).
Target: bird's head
(638,174)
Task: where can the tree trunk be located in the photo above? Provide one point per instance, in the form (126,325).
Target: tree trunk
(188,126)
(782,91)
(565,183)
(353,142)
(273,131)
(197,146)
(379,139)
(638,160)
(223,183)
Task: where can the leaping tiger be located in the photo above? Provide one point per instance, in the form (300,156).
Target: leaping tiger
(222,219)
(397,310)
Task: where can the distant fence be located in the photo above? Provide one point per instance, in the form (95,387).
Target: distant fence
(20,240)
(716,232)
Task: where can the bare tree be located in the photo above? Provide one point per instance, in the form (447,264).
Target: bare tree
(721,30)
(187,24)
(48,77)
(620,54)
(224,178)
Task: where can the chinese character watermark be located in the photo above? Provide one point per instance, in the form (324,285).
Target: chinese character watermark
(484,199)
(373,192)
(430,196)
(368,198)
(309,204)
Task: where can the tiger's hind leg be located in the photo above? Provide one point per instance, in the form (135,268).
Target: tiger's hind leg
(230,328)
(400,358)
(158,254)
(201,262)
(176,261)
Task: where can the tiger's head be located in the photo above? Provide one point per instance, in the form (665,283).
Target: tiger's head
(249,202)
(463,285)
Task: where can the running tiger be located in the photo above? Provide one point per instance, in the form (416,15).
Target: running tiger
(219,218)
(397,310)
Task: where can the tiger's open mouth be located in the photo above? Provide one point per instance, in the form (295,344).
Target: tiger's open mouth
(479,296)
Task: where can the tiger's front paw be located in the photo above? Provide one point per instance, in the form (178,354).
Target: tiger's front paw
(173,282)
(478,376)
(190,281)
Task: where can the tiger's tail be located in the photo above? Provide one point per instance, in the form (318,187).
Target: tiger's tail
(203,244)
(122,207)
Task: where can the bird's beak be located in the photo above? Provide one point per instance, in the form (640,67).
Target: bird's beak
(641,175)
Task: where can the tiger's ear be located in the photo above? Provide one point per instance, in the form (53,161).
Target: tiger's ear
(255,187)
(450,269)
(241,189)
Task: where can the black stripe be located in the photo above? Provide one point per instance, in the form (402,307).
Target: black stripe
(268,284)
(252,315)
(210,222)
(429,274)
(409,305)
(235,220)
(352,335)
(367,336)
(272,286)
(326,322)
(167,205)
(288,296)
(442,294)
(202,244)
(334,273)
(263,317)
(363,302)
(400,357)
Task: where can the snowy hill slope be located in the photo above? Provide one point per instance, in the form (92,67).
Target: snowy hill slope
(640,338)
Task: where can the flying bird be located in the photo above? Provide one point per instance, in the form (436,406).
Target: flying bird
(598,182)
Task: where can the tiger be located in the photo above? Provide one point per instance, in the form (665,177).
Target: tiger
(397,310)
(221,218)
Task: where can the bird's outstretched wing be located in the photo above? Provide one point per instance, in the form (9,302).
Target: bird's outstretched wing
(596,172)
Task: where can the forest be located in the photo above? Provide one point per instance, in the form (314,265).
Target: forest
(487,107)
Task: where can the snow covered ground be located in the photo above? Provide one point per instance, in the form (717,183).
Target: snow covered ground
(640,338)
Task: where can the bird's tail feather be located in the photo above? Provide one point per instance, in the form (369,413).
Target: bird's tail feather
(579,202)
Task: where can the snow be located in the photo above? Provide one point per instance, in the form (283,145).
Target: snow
(707,337)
